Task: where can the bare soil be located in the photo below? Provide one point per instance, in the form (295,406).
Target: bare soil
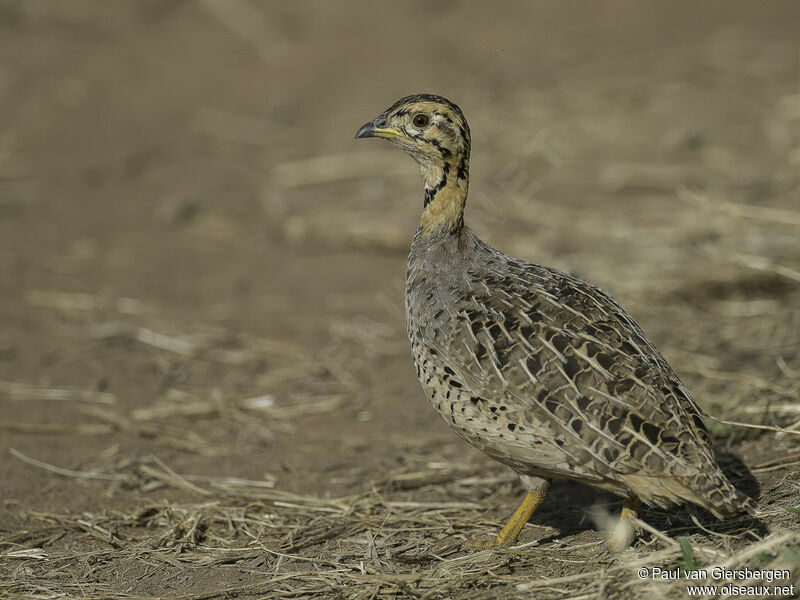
(205,386)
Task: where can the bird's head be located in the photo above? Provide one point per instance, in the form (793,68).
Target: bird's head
(433,131)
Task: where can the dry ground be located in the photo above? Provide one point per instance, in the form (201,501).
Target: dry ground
(205,388)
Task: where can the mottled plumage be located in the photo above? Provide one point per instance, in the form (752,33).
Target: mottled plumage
(540,370)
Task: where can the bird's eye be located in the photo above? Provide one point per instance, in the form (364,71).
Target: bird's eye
(421,120)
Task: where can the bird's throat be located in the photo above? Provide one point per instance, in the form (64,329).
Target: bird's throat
(445,197)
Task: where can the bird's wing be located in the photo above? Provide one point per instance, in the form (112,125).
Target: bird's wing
(568,357)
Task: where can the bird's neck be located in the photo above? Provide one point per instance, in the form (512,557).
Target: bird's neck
(446,186)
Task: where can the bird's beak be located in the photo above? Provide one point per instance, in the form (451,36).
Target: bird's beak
(377,128)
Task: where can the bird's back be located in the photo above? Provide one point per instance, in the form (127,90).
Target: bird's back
(549,375)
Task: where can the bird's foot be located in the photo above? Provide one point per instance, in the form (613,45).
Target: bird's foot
(497,542)
(517,521)
(619,541)
(624,530)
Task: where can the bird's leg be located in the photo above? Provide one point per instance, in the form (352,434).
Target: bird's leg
(537,491)
(623,535)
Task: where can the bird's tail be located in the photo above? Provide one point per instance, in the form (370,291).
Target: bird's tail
(723,499)
(710,490)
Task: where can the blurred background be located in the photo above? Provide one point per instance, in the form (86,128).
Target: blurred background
(201,271)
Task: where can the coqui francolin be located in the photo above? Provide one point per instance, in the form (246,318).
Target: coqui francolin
(538,369)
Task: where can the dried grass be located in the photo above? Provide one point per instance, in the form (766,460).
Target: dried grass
(358,546)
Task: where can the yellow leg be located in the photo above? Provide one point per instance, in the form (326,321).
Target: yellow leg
(630,509)
(517,521)
(622,537)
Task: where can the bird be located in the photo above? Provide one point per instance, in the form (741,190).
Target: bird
(538,369)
